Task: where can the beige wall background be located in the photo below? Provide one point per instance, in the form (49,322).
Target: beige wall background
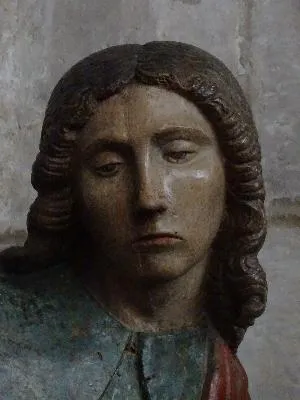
(259,40)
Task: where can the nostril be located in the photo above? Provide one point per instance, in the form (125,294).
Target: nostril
(151,208)
(150,204)
(144,215)
(150,198)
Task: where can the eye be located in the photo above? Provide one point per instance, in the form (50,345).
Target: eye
(179,156)
(106,164)
(179,151)
(109,169)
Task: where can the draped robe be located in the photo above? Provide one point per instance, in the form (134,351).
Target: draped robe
(57,343)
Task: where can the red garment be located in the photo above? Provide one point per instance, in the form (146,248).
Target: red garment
(229,380)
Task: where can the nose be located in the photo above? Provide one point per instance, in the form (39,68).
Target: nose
(151,188)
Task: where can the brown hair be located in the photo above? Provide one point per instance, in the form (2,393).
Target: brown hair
(237,286)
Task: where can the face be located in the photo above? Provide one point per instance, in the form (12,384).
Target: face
(150,183)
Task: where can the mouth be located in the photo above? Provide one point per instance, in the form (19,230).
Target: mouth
(156,241)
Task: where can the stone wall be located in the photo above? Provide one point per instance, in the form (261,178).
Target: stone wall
(41,39)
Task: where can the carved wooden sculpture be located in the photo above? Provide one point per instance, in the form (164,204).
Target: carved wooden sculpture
(139,276)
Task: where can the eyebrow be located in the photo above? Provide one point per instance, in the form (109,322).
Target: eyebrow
(170,133)
(161,137)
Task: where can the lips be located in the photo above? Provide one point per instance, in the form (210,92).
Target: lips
(156,241)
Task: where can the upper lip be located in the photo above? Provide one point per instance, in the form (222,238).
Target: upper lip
(156,235)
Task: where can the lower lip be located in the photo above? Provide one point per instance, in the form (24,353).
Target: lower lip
(159,242)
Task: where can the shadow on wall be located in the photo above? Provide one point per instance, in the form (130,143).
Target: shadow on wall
(284,211)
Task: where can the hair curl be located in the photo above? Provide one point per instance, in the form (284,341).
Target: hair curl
(236,287)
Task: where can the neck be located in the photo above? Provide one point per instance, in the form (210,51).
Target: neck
(144,306)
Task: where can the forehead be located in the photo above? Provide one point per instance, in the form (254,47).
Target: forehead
(140,110)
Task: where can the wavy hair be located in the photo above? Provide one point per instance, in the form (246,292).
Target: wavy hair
(236,286)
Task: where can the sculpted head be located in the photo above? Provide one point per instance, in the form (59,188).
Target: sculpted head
(148,163)
(141,140)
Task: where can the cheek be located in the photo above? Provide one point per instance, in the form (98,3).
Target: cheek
(201,201)
(103,204)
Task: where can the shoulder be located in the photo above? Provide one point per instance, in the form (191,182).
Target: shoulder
(228,379)
(32,296)
(37,305)
(51,301)
(50,327)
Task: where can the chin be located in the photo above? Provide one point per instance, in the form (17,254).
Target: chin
(161,268)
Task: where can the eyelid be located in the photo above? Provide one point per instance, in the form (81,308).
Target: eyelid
(179,157)
(105,146)
(180,145)
(104,158)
